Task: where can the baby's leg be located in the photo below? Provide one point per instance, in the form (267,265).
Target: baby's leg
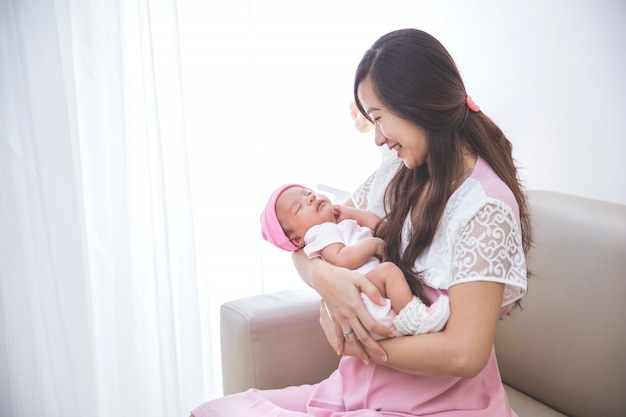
(390,281)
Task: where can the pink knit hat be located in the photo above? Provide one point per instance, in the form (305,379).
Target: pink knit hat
(270,227)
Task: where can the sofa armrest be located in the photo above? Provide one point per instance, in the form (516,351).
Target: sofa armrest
(273,341)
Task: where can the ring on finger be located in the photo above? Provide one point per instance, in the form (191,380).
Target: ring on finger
(348,333)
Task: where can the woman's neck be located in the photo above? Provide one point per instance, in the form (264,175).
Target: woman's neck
(469,161)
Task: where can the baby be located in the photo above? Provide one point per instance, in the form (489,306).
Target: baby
(296,217)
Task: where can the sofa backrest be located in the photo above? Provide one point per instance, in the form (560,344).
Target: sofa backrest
(567,346)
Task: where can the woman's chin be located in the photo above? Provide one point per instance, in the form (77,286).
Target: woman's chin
(408,164)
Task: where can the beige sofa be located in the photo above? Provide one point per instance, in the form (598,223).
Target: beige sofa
(564,353)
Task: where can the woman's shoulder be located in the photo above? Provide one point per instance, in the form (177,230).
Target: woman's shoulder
(370,195)
(483,188)
(491,186)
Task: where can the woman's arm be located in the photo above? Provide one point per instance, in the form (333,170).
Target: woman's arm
(340,288)
(463,347)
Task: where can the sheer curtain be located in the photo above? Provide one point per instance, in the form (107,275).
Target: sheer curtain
(138,142)
(100,310)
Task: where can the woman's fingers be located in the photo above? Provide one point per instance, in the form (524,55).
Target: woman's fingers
(363,325)
(369,289)
(345,311)
(343,340)
(368,344)
(353,347)
(359,322)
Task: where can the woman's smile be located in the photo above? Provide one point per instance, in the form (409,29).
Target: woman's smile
(404,137)
(396,148)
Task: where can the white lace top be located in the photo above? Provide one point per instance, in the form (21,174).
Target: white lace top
(479,238)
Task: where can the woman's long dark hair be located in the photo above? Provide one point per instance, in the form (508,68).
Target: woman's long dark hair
(415,78)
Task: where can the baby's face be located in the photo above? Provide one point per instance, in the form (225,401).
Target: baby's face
(298,209)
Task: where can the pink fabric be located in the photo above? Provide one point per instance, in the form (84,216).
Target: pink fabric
(287,402)
(493,185)
(358,390)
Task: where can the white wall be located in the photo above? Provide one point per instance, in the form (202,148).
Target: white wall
(552,74)
(268,83)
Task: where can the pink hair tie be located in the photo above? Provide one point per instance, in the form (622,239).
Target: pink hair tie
(471,105)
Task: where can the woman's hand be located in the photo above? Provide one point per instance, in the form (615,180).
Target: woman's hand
(346,345)
(342,344)
(340,288)
(346,314)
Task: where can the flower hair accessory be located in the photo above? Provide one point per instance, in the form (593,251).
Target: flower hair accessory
(471,105)
(360,122)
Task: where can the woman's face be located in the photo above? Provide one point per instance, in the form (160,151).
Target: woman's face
(406,138)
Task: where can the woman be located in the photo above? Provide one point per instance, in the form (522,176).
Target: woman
(456,223)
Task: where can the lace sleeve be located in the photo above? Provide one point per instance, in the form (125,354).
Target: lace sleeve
(490,249)
(370,195)
(360,196)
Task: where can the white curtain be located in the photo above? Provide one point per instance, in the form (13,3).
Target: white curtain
(99,292)
(138,142)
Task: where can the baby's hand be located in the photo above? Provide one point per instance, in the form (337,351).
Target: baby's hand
(341,212)
(380,247)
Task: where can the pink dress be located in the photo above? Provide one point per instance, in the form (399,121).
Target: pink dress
(481,214)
